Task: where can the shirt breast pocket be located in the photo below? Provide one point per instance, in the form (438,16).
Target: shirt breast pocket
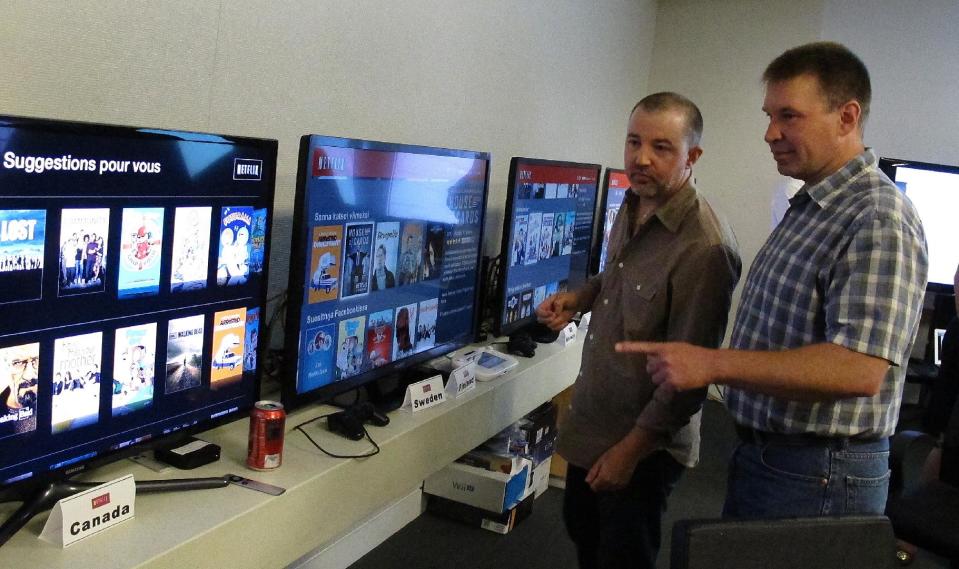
(643,309)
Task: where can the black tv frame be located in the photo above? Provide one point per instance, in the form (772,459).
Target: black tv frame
(299,248)
(43,488)
(499,327)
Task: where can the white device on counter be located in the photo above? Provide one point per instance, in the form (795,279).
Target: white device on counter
(490,364)
(461,358)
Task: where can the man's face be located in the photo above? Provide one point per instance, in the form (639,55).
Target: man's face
(379,258)
(804,133)
(657,155)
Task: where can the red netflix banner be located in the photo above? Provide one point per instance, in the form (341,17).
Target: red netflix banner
(334,161)
(618,180)
(541,173)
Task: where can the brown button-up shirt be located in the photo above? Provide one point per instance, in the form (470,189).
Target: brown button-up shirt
(669,279)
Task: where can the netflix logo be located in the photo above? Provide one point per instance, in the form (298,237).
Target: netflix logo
(326,165)
(100,501)
(247,169)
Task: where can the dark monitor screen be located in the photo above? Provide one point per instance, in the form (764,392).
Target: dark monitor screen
(385,266)
(934,190)
(615,186)
(133,269)
(547,235)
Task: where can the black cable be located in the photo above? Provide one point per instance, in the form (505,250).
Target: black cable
(375,451)
(376,448)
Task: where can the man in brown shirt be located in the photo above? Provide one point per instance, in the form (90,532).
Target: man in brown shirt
(673,265)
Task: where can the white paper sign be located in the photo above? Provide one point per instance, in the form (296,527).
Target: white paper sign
(567,336)
(584,321)
(425,394)
(90,512)
(462,380)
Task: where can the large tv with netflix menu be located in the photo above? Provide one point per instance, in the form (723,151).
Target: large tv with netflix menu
(133,270)
(384,273)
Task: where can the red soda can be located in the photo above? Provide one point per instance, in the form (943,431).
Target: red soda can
(265,448)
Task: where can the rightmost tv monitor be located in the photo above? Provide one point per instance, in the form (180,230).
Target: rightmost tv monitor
(934,190)
(547,236)
(615,186)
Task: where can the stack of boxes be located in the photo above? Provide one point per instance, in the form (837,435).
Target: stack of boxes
(494,485)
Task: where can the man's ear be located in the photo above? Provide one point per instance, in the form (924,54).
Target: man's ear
(693,155)
(850,116)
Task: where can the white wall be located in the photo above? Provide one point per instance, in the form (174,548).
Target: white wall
(911,50)
(542,78)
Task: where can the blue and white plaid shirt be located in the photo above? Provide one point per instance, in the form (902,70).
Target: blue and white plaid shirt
(847,265)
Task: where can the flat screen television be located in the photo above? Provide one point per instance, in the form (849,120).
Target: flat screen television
(547,238)
(934,190)
(385,268)
(133,270)
(615,186)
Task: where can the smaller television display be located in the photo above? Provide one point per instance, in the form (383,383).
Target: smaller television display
(934,190)
(615,186)
(547,235)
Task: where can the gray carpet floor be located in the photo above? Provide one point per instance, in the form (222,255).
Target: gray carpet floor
(540,542)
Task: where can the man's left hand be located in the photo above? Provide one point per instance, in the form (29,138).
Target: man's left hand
(674,365)
(614,468)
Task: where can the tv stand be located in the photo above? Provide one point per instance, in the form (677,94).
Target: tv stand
(46,496)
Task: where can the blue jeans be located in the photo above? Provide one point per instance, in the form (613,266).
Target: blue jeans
(779,479)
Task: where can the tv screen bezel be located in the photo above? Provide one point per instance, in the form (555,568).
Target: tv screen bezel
(499,327)
(298,250)
(888,167)
(597,249)
(154,436)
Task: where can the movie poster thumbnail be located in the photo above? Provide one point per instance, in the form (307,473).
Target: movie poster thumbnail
(184,354)
(385,250)
(229,330)
(526,304)
(252,340)
(258,241)
(141,241)
(546,237)
(426,324)
(568,233)
(411,252)
(357,259)
(379,338)
(518,253)
(404,331)
(551,191)
(233,258)
(434,249)
(325,263)
(533,236)
(76,381)
(511,310)
(539,191)
(22,233)
(191,248)
(525,191)
(134,373)
(19,374)
(83,250)
(539,295)
(562,191)
(559,230)
(319,344)
(351,338)
(552,288)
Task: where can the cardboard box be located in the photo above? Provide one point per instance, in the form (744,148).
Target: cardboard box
(484,489)
(539,479)
(539,424)
(492,461)
(499,522)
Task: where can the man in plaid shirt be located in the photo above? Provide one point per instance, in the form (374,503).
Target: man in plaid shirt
(829,311)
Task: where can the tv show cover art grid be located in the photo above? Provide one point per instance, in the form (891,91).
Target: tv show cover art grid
(22,239)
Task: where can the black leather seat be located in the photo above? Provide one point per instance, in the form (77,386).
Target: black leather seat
(841,542)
